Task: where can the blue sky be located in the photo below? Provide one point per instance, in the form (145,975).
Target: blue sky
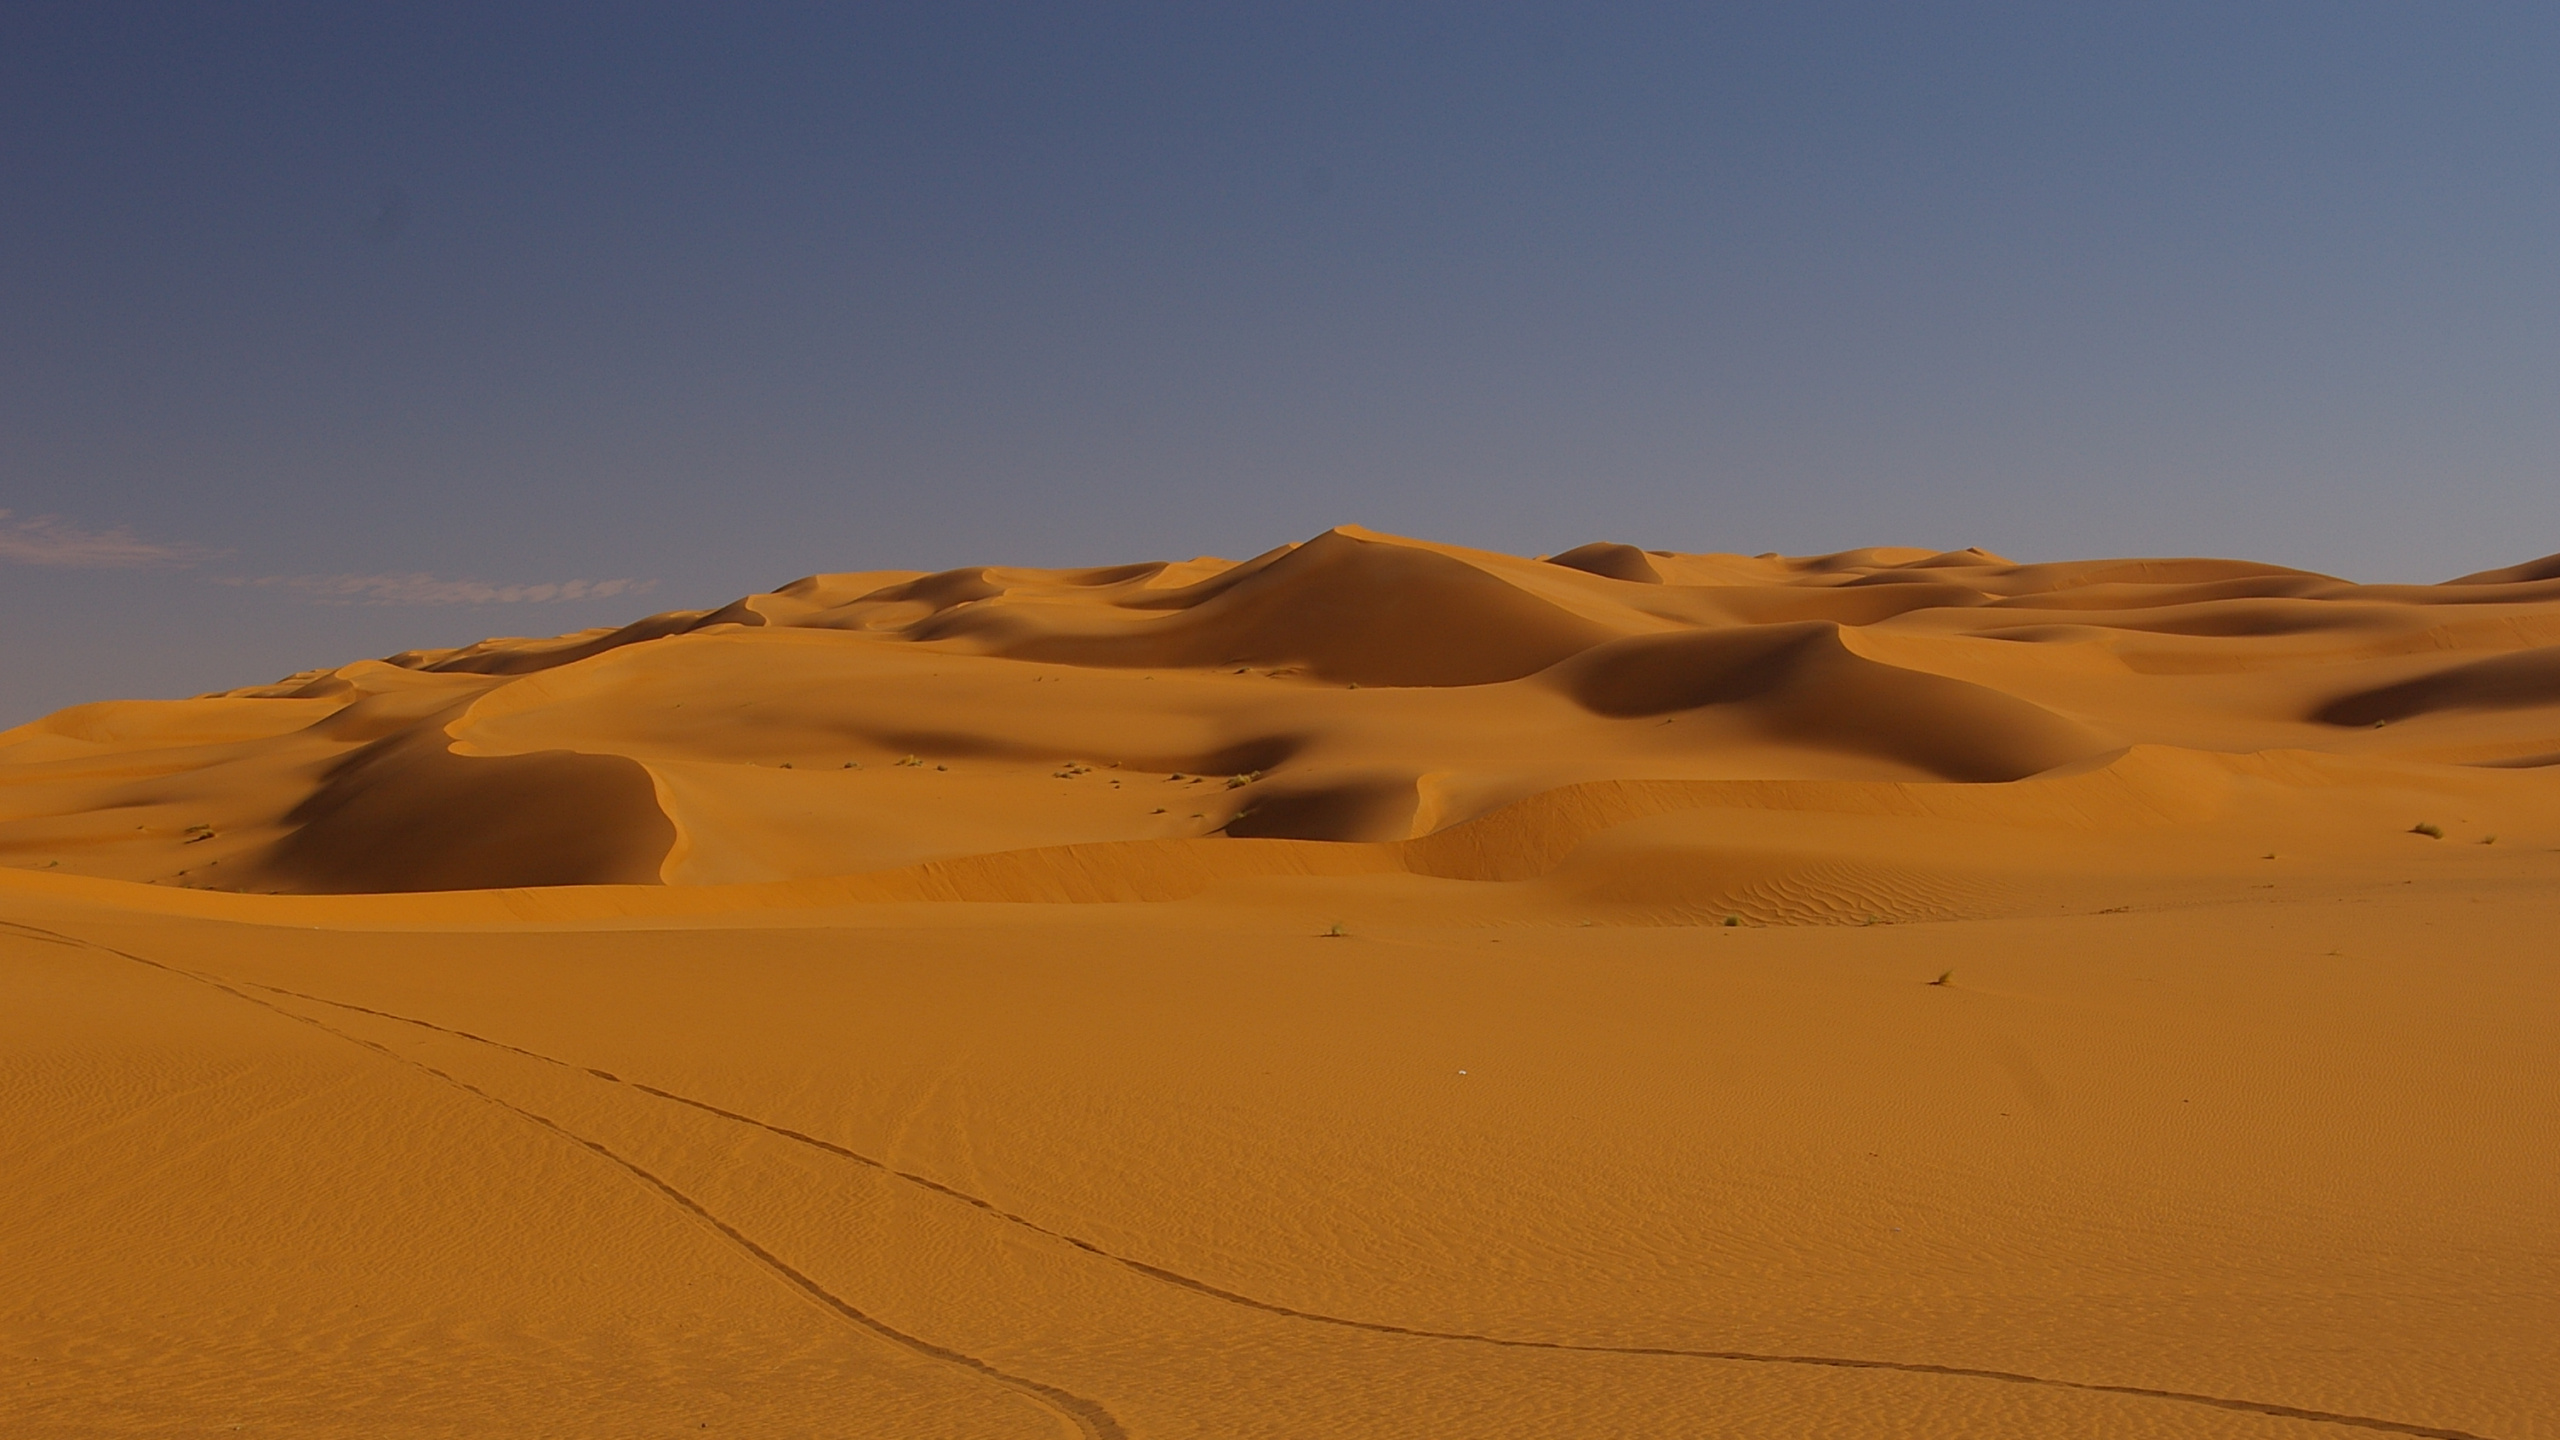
(330,330)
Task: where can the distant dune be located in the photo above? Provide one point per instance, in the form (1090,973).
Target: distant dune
(1411,697)
(1377,988)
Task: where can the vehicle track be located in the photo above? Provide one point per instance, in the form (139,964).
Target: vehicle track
(1086,1417)
(1061,1399)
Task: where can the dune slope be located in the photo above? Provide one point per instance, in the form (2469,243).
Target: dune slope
(1357,688)
(1374,988)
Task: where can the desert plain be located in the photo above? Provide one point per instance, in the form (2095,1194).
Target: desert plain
(1378,988)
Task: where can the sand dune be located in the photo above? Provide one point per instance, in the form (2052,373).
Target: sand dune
(1355,688)
(1376,987)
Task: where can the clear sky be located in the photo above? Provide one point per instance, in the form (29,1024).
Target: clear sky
(328,330)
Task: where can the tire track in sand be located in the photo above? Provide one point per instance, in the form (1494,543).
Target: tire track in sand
(1087,1417)
(1197,1286)
(1174,1278)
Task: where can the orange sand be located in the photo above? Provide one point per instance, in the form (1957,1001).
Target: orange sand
(1378,988)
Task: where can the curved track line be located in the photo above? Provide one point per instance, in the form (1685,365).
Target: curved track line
(1201,1287)
(1172,1277)
(1086,1416)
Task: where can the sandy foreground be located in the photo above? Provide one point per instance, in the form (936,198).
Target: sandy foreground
(1377,988)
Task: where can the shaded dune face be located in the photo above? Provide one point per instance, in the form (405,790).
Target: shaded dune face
(2530,680)
(406,813)
(1379,807)
(1357,689)
(1803,683)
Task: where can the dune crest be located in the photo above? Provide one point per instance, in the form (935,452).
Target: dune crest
(1356,689)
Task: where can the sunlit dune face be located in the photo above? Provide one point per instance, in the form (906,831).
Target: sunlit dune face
(1357,688)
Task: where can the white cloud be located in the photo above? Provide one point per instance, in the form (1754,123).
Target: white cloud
(54,541)
(421,589)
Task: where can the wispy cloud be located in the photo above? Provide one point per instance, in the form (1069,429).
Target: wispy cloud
(50,540)
(422,589)
(54,541)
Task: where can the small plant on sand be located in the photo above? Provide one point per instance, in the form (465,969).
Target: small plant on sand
(1945,977)
(1336,932)
(1733,921)
(2428,828)
(2488,839)
(1238,782)
(911,762)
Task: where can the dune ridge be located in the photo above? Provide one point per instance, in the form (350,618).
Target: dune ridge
(1354,689)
